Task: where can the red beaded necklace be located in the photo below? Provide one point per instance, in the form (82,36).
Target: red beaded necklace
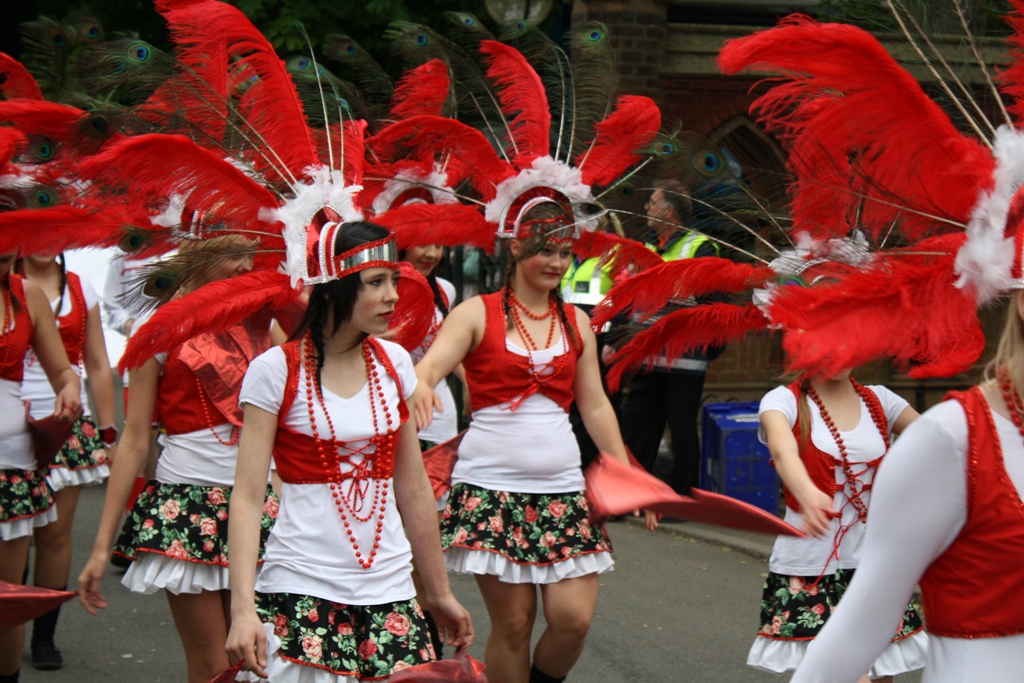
(350,502)
(880,422)
(1014,404)
(209,420)
(518,306)
(8,316)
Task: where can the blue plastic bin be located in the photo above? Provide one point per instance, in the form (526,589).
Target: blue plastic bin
(733,461)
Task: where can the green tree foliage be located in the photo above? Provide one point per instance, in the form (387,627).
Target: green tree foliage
(985,17)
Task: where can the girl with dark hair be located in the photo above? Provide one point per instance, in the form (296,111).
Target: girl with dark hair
(827,438)
(517,516)
(26,500)
(83,459)
(334,600)
(176,533)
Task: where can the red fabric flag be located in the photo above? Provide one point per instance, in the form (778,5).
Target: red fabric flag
(440,461)
(49,435)
(19,604)
(459,669)
(614,488)
(228,675)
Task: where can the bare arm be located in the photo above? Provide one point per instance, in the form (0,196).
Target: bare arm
(49,349)
(247,639)
(132,450)
(815,505)
(97,364)
(416,501)
(460,333)
(903,421)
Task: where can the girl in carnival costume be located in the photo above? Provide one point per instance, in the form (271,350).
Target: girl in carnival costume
(946,510)
(26,500)
(84,458)
(331,407)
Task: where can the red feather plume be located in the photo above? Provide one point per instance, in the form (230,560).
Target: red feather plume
(625,253)
(844,97)
(633,124)
(651,290)
(435,136)
(904,306)
(417,225)
(414,312)
(268,101)
(210,309)
(39,117)
(46,231)
(1012,78)
(521,93)
(12,142)
(15,80)
(421,91)
(682,331)
(161,165)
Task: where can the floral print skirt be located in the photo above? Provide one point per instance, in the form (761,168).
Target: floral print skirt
(185,522)
(26,501)
(82,460)
(524,528)
(797,607)
(366,642)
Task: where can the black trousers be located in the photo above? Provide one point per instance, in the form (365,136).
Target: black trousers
(657,398)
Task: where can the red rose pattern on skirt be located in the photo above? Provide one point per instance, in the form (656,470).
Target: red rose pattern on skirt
(83,449)
(525,528)
(23,493)
(795,608)
(185,522)
(368,642)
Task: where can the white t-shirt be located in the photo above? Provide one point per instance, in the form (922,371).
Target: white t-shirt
(199,458)
(15,443)
(35,387)
(919,508)
(808,556)
(445,425)
(529,450)
(309,551)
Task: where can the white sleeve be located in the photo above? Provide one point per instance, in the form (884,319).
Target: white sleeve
(113,290)
(449,291)
(918,506)
(265,380)
(892,403)
(402,362)
(88,293)
(782,400)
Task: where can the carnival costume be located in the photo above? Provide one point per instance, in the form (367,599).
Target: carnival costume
(83,458)
(855,120)
(26,500)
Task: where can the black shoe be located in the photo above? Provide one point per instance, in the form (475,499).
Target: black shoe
(46,656)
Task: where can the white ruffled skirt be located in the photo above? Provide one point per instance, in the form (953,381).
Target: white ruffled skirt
(779,656)
(26,525)
(62,477)
(463,561)
(151,572)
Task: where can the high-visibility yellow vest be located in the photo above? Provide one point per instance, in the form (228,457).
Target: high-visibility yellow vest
(586,284)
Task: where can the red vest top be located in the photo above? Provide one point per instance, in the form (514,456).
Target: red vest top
(304,459)
(821,466)
(201,378)
(975,589)
(72,325)
(14,345)
(497,375)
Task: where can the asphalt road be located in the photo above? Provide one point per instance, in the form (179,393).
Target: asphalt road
(674,609)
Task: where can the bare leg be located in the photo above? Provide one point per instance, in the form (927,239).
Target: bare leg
(512,608)
(53,542)
(13,560)
(203,629)
(568,609)
(883,679)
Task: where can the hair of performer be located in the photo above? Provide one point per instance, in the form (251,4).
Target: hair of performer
(533,319)
(194,578)
(945,487)
(337,356)
(26,496)
(83,459)
(838,448)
